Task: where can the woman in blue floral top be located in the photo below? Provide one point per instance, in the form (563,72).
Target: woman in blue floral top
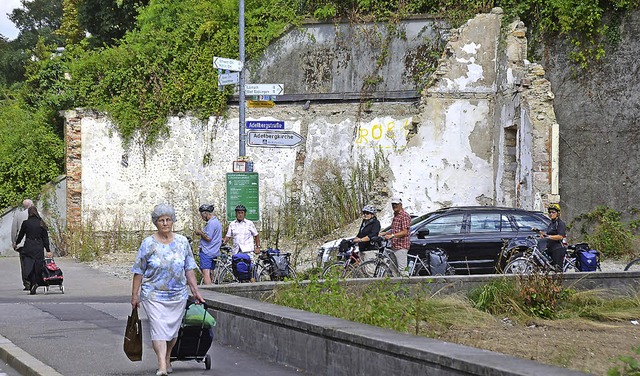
(163,268)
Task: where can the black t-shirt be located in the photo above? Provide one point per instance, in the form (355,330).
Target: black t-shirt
(556,227)
(368,228)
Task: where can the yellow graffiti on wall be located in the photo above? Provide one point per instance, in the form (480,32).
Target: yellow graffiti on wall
(383,135)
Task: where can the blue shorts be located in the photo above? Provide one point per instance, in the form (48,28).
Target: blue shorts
(207,262)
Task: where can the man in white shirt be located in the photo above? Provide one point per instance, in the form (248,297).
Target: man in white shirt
(19,217)
(244,234)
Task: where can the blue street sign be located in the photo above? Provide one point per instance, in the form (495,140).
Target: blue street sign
(265,124)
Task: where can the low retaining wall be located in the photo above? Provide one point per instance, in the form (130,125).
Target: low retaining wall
(323,345)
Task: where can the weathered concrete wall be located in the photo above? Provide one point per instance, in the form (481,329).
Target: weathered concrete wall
(598,109)
(448,149)
(337,58)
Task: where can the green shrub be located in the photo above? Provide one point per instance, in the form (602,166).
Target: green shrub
(604,230)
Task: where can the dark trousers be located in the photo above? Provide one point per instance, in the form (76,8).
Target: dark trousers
(32,271)
(25,282)
(557,255)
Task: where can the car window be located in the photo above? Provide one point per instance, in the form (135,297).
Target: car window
(448,224)
(484,222)
(528,221)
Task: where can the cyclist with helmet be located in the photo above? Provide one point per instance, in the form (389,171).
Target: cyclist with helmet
(244,234)
(369,227)
(210,241)
(555,233)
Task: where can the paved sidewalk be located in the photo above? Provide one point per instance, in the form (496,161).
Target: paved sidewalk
(81,331)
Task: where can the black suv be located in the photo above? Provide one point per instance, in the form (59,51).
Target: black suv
(473,236)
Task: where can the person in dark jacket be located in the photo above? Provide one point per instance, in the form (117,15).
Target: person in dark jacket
(37,240)
(555,233)
(369,228)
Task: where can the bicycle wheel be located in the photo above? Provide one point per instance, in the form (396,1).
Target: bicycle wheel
(338,270)
(519,265)
(372,269)
(420,270)
(263,274)
(225,275)
(633,266)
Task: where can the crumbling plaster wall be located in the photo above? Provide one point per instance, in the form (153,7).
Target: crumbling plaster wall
(448,149)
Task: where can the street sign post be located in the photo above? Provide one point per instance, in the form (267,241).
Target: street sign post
(264,89)
(261,104)
(265,124)
(277,139)
(229,78)
(228,64)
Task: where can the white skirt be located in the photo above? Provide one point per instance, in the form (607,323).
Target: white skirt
(164,318)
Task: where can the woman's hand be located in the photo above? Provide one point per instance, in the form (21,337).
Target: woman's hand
(198,298)
(135,301)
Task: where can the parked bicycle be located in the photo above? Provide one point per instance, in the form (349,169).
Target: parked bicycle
(525,256)
(633,266)
(348,261)
(384,265)
(223,272)
(273,265)
(421,266)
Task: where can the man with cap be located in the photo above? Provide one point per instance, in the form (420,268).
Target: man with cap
(210,241)
(399,234)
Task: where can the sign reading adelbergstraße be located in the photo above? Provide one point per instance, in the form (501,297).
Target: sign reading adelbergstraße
(276,139)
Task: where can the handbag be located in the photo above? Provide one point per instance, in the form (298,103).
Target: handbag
(133,337)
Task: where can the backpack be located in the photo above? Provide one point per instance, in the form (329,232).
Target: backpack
(588,260)
(437,261)
(280,265)
(241,265)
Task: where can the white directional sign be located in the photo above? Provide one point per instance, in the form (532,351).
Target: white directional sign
(228,64)
(228,78)
(264,89)
(275,139)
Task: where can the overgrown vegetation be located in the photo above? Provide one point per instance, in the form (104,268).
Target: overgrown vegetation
(604,230)
(629,365)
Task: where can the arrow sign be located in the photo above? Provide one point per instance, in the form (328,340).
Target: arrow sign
(264,89)
(229,78)
(228,64)
(278,139)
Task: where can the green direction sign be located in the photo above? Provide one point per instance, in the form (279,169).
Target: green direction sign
(242,188)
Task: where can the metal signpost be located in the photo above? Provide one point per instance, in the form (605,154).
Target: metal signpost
(276,139)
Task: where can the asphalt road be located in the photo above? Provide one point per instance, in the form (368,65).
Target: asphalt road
(81,331)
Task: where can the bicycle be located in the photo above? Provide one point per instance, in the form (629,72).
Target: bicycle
(633,266)
(347,262)
(528,257)
(273,266)
(419,266)
(223,272)
(384,265)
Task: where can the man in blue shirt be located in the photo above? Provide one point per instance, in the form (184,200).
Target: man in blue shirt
(210,241)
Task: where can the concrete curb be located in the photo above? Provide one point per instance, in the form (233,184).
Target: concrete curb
(22,361)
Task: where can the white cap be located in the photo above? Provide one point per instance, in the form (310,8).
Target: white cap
(396,200)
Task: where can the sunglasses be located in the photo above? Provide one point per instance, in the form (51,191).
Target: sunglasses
(552,211)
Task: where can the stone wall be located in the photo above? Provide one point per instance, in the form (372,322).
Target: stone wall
(598,109)
(479,135)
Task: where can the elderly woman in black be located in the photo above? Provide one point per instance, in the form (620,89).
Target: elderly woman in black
(37,240)
(369,228)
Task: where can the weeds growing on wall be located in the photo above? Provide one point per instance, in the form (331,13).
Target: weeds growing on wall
(628,364)
(605,231)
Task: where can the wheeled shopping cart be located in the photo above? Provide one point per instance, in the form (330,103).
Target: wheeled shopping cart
(195,335)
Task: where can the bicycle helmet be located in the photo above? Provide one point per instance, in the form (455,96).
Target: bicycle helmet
(241,207)
(555,207)
(206,208)
(369,209)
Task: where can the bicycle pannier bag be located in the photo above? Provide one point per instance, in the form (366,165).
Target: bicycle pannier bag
(133,337)
(241,264)
(281,266)
(437,262)
(588,260)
